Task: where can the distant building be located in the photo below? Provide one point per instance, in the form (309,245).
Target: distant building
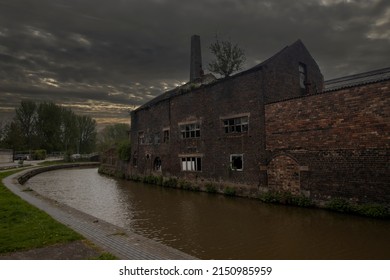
(6,156)
(274,127)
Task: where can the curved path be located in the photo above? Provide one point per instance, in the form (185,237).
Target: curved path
(120,242)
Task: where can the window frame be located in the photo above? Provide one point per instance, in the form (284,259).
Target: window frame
(242,162)
(157,164)
(141,138)
(156,138)
(166,135)
(190,163)
(302,69)
(189,130)
(235,124)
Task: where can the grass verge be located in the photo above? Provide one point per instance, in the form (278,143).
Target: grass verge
(25,227)
(52,162)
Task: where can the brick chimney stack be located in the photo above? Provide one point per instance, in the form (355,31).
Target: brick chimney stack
(196,70)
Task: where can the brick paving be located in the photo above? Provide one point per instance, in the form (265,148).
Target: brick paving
(118,241)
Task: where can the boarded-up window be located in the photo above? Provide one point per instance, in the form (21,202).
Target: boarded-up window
(191,164)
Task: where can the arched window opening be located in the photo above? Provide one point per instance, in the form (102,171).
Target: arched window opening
(157,164)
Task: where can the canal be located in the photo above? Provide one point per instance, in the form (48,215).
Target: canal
(211,226)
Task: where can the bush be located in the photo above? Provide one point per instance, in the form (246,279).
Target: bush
(339,205)
(124,150)
(38,155)
(373,210)
(135,178)
(369,210)
(68,156)
(119,174)
(170,183)
(229,191)
(160,180)
(285,198)
(269,197)
(150,179)
(301,201)
(185,185)
(210,188)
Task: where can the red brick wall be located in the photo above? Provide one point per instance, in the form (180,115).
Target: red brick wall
(244,93)
(339,139)
(206,105)
(357,117)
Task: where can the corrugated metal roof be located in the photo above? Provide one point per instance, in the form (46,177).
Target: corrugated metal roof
(358,79)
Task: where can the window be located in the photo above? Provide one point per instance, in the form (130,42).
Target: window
(190,130)
(237,162)
(236,125)
(156,138)
(302,75)
(141,138)
(148,139)
(157,164)
(166,135)
(191,164)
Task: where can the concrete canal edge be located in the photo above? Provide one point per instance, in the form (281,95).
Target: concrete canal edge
(120,242)
(24,176)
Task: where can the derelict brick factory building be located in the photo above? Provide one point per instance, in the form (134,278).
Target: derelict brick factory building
(274,127)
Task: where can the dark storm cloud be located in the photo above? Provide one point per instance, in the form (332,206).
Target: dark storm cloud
(125,52)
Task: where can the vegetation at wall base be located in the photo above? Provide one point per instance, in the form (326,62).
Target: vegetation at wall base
(231,191)
(135,178)
(119,174)
(25,227)
(211,188)
(369,210)
(185,185)
(285,198)
(170,183)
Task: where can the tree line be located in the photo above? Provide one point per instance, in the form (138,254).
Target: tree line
(50,127)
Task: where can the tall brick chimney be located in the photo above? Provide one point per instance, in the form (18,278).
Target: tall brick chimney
(196,70)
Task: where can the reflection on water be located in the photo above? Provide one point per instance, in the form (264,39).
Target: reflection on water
(214,226)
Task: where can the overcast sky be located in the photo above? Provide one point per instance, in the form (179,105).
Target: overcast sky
(105,57)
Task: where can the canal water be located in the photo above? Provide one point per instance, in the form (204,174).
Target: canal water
(211,226)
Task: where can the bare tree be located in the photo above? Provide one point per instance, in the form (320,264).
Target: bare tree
(228,58)
(26,115)
(86,134)
(112,135)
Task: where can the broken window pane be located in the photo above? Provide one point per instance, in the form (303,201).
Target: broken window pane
(302,75)
(190,130)
(236,125)
(237,162)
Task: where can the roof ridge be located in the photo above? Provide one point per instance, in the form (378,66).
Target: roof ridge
(369,77)
(359,75)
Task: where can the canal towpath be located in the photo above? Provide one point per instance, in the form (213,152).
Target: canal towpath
(120,242)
